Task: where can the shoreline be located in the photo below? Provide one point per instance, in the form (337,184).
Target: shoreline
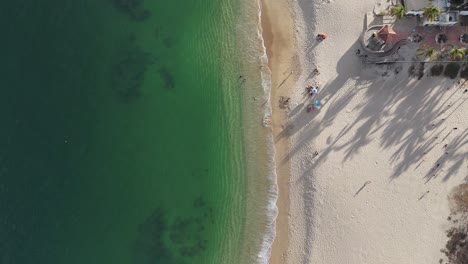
(280,45)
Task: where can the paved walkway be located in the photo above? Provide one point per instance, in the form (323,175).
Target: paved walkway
(407,27)
(429,35)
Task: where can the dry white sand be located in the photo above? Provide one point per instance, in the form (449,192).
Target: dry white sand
(374,193)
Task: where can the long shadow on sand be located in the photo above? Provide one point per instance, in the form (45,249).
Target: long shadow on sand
(406,111)
(405,114)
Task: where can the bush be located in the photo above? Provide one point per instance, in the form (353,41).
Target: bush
(412,70)
(399,11)
(437,70)
(464,72)
(451,70)
(421,70)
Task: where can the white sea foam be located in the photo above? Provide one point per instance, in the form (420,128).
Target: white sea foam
(262,189)
(263,255)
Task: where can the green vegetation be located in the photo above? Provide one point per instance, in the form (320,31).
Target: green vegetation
(399,11)
(457,53)
(437,70)
(427,52)
(417,70)
(451,70)
(464,72)
(457,3)
(430,12)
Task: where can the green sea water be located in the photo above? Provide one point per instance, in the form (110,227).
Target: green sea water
(121,137)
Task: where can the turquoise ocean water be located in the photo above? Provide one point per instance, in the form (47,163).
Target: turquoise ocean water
(125,133)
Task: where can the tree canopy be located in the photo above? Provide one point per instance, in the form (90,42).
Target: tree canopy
(430,12)
(399,11)
(427,52)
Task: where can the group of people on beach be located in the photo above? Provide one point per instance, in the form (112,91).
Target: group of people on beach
(312,91)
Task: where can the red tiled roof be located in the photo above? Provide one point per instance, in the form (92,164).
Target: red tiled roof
(385,33)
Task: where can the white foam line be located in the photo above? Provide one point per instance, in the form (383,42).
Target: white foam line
(263,255)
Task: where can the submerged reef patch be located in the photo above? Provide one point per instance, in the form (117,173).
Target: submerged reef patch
(133,9)
(167,77)
(163,238)
(128,73)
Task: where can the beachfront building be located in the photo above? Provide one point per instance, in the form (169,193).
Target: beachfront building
(443,31)
(449,14)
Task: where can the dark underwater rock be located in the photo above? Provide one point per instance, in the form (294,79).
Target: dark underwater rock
(150,247)
(127,6)
(133,9)
(128,73)
(187,236)
(199,202)
(160,240)
(168,42)
(140,15)
(167,77)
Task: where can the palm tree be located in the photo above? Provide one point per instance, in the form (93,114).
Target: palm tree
(427,52)
(399,11)
(457,53)
(431,12)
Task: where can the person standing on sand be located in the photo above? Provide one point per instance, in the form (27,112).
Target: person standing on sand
(321,37)
(313,91)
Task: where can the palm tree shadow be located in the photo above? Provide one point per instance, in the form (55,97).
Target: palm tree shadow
(407,126)
(302,122)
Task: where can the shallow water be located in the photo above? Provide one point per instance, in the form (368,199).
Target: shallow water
(122,137)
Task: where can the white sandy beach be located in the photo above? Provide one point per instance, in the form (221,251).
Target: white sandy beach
(390,147)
